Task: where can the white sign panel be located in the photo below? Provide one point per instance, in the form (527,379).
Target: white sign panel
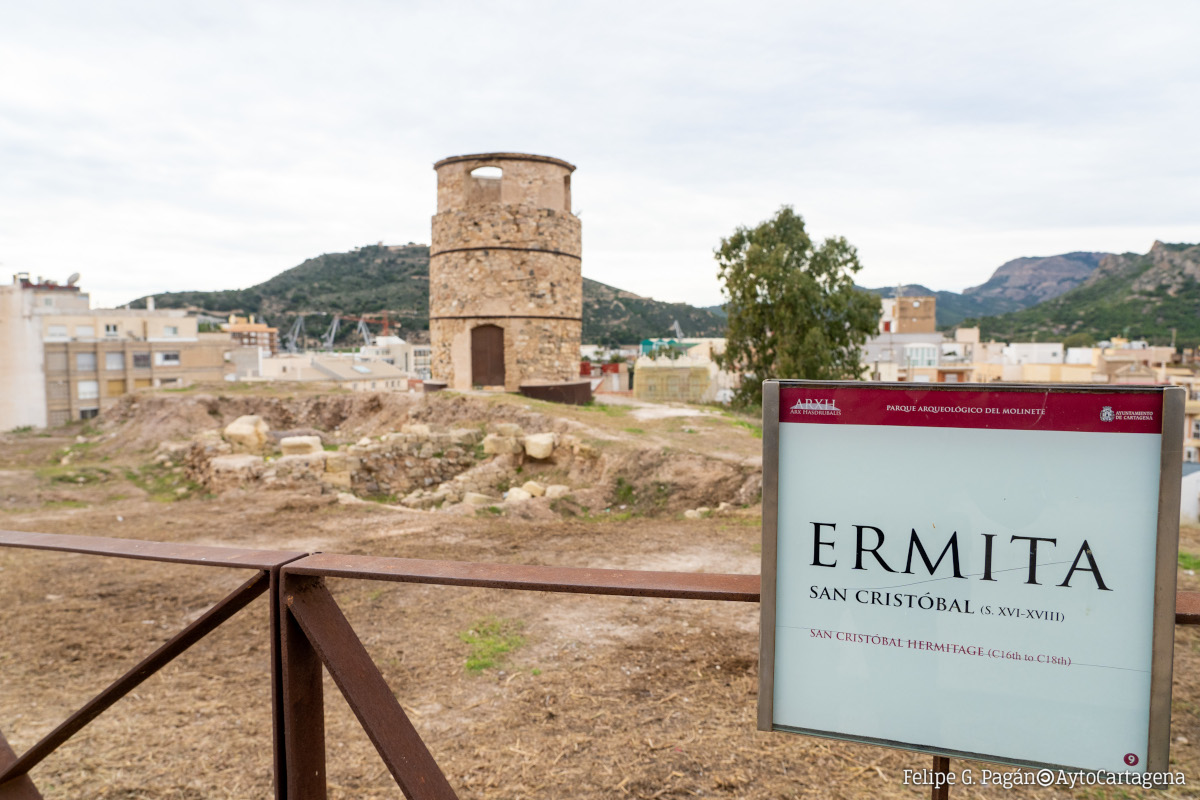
(968,571)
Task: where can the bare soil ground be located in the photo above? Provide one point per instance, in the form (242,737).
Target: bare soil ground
(597,697)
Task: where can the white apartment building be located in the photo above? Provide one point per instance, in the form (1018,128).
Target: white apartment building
(61,359)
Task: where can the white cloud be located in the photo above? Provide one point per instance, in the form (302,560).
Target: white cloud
(158,147)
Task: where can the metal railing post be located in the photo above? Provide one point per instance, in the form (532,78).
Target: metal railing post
(302,709)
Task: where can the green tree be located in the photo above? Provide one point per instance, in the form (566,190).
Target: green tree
(793,309)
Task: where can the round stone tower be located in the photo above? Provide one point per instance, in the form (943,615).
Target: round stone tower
(505,286)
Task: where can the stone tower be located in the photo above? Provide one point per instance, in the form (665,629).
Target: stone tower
(505,286)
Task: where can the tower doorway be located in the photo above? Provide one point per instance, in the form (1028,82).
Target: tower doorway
(487,355)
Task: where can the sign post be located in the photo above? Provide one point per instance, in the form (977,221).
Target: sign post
(971,571)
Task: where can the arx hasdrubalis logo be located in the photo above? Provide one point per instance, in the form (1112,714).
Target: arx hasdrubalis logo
(810,406)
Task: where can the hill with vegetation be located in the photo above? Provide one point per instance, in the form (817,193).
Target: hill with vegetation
(1014,286)
(378,278)
(1153,297)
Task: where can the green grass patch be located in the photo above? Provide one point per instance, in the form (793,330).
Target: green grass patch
(22,429)
(1189,561)
(385,498)
(161,484)
(742,522)
(568,506)
(64,504)
(623,493)
(605,409)
(75,476)
(754,428)
(490,639)
(638,431)
(489,511)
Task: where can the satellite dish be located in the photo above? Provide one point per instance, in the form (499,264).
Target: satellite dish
(74,279)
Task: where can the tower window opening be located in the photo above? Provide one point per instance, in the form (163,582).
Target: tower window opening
(484,186)
(487,173)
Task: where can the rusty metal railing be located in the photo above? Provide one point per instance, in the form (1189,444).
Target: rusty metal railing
(309,632)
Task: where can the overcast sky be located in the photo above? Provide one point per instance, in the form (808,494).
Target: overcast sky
(159,146)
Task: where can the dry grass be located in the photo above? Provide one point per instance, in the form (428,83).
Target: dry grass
(603,698)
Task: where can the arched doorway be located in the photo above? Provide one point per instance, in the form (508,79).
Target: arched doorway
(487,355)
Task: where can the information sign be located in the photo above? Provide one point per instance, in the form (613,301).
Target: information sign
(972,571)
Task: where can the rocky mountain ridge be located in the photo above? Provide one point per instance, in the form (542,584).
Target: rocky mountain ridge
(1153,296)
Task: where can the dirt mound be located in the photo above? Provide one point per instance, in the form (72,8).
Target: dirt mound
(144,420)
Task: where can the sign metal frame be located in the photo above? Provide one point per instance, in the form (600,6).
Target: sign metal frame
(1165,561)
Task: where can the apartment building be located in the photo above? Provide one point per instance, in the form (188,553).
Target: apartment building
(62,360)
(248,333)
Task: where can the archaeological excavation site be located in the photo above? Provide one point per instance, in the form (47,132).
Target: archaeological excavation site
(542,693)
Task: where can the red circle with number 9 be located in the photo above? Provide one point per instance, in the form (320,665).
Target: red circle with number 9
(1131,759)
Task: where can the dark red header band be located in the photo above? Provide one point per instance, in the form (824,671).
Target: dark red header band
(1096,412)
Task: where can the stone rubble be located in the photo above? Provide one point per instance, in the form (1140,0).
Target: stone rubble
(424,467)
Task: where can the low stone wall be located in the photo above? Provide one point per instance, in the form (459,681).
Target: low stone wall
(416,458)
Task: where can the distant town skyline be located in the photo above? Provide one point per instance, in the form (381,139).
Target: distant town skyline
(156,148)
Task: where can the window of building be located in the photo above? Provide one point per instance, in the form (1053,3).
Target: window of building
(85,362)
(166,359)
(49,301)
(1189,455)
(141,361)
(115,387)
(1196,429)
(89,413)
(85,331)
(89,390)
(56,362)
(170,330)
(57,390)
(111,329)
(56,331)
(114,361)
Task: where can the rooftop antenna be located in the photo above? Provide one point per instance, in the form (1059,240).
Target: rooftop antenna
(74,279)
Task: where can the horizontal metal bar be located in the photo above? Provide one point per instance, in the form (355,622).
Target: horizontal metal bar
(180,642)
(1187,608)
(171,552)
(689,585)
(637,583)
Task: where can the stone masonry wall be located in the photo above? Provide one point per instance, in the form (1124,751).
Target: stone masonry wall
(535,350)
(507,226)
(494,283)
(530,180)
